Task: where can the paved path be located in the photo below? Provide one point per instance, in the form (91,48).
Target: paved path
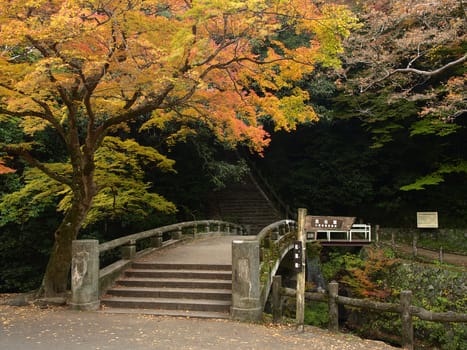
(31,328)
(209,250)
(454,259)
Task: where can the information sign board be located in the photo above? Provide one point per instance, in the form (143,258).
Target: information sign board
(427,219)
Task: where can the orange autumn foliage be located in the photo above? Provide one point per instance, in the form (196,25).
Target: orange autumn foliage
(4,169)
(367,280)
(202,59)
(85,68)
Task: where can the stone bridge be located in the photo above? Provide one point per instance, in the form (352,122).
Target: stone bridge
(197,269)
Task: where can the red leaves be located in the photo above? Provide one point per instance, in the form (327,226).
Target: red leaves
(4,169)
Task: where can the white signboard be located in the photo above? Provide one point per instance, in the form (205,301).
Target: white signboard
(427,219)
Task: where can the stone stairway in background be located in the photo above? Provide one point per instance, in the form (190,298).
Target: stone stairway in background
(244,203)
(172,289)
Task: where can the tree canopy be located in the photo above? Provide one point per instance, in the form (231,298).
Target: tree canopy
(84,69)
(405,69)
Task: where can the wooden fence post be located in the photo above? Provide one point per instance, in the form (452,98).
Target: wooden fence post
(406,320)
(276,299)
(300,310)
(414,245)
(333,308)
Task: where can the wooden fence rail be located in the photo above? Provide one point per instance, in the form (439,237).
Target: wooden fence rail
(404,308)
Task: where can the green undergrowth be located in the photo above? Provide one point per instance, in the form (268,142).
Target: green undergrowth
(379,275)
(451,240)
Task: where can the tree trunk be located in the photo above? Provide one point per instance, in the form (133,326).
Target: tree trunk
(56,276)
(55,280)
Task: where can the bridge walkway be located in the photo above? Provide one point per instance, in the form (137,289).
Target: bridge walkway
(209,250)
(192,279)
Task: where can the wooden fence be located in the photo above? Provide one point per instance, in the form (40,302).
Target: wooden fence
(405,308)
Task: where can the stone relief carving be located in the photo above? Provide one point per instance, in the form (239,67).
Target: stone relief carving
(79,265)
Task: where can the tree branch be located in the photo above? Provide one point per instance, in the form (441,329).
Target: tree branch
(433,72)
(428,74)
(24,153)
(151,103)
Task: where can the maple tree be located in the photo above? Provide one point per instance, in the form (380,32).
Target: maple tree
(86,68)
(409,55)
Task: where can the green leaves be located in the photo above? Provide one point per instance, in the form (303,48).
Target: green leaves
(120,173)
(30,201)
(437,176)
(433,126)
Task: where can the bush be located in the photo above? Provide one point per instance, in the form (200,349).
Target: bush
(377,275)
(316,314)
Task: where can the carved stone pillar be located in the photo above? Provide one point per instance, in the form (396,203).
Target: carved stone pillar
(85,275)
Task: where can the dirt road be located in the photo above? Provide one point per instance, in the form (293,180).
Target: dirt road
(33,328)
(454,259)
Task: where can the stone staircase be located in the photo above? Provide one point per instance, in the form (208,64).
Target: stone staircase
(172,289)
(243,203)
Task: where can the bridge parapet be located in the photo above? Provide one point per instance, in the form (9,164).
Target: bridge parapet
(276,240)
(88,284)
(254,262)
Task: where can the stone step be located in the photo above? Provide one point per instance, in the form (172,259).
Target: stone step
(175,273)
(173,289)
(169,266)
(171,313)
(247,207)
(164,292)
(175,283)
(205,305)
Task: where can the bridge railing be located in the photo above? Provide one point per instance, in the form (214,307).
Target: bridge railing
(89,280)
(275,241)
(254,261)
(175,232)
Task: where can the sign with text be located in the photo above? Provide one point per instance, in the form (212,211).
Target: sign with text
(328,223)
(427,219)
(298,256)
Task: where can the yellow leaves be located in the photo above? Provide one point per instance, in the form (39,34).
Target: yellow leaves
(295,110)
(181,45)
(332,26)
(120,172)
(224,60)
(288,111)
(118,154)
(66,23)
(180,135)
(203,10)
(158,120)
(9,73)
(32,125)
